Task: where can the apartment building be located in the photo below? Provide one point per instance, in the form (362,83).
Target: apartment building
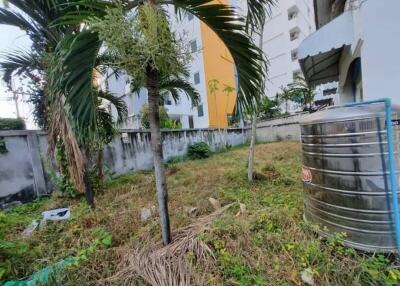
(362,56)
(290,22)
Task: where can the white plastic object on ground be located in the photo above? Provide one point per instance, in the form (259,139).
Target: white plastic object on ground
(57,215)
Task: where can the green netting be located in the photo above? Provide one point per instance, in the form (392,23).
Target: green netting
(43,276)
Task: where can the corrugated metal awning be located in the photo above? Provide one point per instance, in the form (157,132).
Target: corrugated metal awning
(319,54)
(321,68)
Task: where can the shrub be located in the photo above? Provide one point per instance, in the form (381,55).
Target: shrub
(199,150)
(165,121)
(12,124)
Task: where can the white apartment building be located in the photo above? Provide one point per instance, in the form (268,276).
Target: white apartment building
(290,22)
(356,45)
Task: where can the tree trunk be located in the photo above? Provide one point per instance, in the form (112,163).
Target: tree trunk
(100,167)
(156,145)
(250,167)
(89,194)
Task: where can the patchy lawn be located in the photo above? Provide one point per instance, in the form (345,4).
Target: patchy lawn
(267,245)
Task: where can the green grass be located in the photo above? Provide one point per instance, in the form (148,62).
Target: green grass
(268,245)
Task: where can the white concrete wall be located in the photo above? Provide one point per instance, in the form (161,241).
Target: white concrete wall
(285,128)
(22,172)
(375,28)
(380,53)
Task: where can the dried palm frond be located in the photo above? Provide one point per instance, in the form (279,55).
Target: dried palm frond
(160,265)
(61,130)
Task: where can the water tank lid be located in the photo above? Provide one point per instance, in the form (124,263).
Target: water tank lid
(340,113)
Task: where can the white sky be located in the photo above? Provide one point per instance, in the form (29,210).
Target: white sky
(12,39)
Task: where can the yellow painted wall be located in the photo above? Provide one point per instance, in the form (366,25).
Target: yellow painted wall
(218,65)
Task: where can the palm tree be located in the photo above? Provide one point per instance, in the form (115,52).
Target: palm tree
(154,28)
(302,93)
(255,26)
(284,97)
(60,111)
(269,108)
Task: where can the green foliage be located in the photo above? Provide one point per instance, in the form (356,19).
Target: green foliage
(301,93)
(199,150)
(285,96)
(165,121)
(63,182)
(140,40)
(3,147)
(268,108)
(12,124)
(376,270)
(176,160)
(234,269)
(14,250)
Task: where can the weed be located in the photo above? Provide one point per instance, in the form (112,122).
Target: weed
(268,245)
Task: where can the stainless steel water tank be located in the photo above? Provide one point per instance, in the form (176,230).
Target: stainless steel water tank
(346,174)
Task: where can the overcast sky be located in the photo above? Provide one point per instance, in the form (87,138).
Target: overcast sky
(11,39)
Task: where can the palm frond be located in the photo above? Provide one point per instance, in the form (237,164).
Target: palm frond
(76,76)
(136,85)
(11,18)
(106,125)
(18,63)
(178,86)
(257,12)
(80,11)
(119,104)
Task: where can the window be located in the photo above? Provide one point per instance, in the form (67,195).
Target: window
(190,17)
(200,110)
(295,55)
(193,46)
(294,35)
(293,12)
(191,123)
(197,78)
(292,15)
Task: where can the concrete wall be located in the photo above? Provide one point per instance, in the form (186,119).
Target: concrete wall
(22,175)
(379,23)
(280,129)
(133,151)
(22,171)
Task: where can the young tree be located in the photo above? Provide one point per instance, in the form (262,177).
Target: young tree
(284,97)
(269,108)
(255,23)
(302,93)
(138,33)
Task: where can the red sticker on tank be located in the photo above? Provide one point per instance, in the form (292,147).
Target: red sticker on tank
(307,176)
